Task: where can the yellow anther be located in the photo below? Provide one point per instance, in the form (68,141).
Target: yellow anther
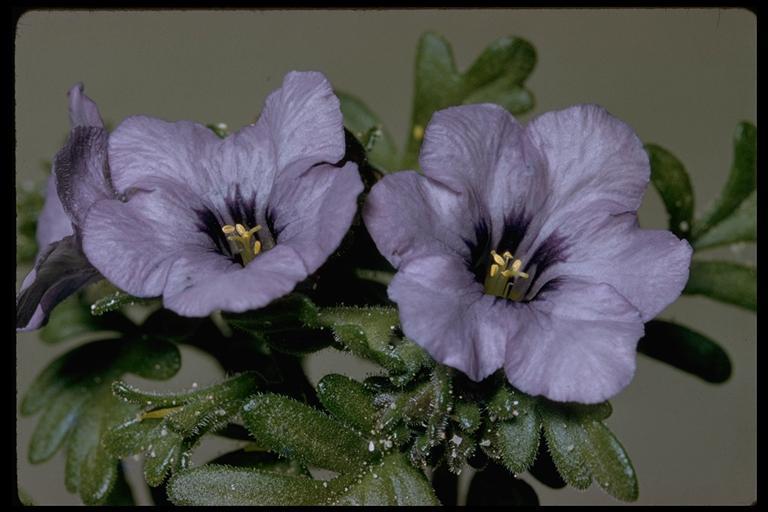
(256,247)
(418,132)
(503,275)
(227,229)
(242,240)
(240,229)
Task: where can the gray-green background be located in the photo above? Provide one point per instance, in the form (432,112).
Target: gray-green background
(682,78)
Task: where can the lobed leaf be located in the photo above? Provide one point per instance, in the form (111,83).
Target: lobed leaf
(724,281)
(394,481)
(670,179)
(741,179)
(741,226)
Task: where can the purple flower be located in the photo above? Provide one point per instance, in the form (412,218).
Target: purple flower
(519,247)
(226,224)
(77,180)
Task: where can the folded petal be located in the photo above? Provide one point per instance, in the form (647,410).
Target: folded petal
(648,267)
(80,168)
(410,215)
(135,243)
(576,343)
(444,310)
(314,210)
(482,151)
(82,110)
(144,148)
(53,224)
(304,120)
(60,270)
(200,283)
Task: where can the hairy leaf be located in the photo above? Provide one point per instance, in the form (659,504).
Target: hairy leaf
(583,448)
(219,485)
(348,400)
(300,432)
(393,481)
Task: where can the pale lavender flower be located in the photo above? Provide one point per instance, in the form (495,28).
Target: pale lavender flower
(232,224)
(78,179)
(519,247)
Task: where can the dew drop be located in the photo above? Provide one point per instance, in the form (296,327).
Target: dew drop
(371,446)
(194,385)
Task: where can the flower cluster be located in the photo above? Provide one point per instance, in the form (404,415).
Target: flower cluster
(517,248)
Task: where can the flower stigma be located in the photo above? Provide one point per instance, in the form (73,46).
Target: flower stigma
(243,241)
(503,275)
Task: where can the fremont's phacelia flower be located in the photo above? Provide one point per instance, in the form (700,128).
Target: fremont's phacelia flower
(226,224)
(78,179)
(519,247)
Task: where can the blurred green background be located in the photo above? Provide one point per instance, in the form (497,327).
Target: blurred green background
(683,78)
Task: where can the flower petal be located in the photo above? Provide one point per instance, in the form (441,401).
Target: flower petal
(410,215)
(313,210)
(305,120)
(143,148)
(135,243)
(592,160)
(200,283)
(576,343)
(53,224)
(482,151)
(648,267)
(80,168)
(443,309)
(82,110)
(60,270)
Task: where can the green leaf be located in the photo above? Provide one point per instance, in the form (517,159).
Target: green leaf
(72,318)
(220,485)
(121,495)
(583,448)
(394,481)
(261,460)
(348,400)
(515,441)
(495,486)
(220,129)
(741,226)
(89,469)
(686,350)
(74,392)
(169,425)
(497,76)
(467,416)
(360,120)
(741,180)
(671,181)
(373,333)
(300,432)
(116,300)
(724,281)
